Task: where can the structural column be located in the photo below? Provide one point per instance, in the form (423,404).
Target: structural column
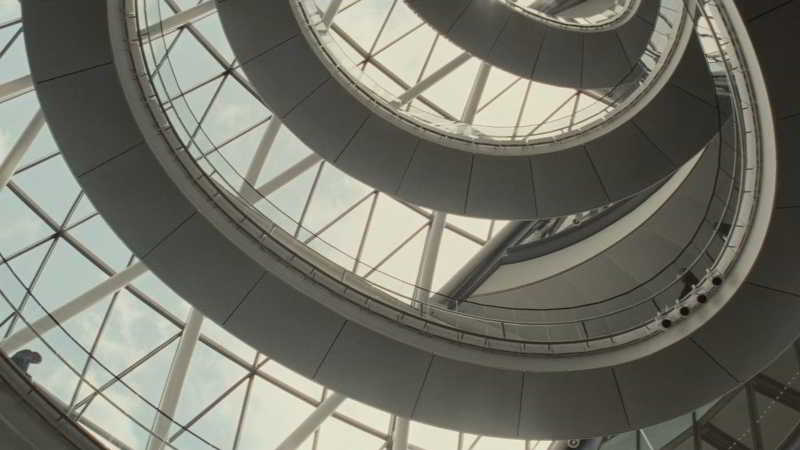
(312,422)
(430,253)
(73,307)
(11,162)
(175,380)
(262,151)
(330,13)
(400,433)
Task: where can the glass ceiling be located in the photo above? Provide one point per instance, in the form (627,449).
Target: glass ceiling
(54,246)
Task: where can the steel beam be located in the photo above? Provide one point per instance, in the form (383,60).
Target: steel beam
(73,307)
(13,88)
(179,19)
(425,84)
(776,390)
(11,162)
(400,433)
(262,151)
(330,13)
(175,380)
(720,439)
(312,422)
(430,254)
(475,94)
(284,177)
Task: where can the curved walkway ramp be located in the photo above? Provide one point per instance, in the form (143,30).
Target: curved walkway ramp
(370,142)
(506,35)
(313,317)
(635,276)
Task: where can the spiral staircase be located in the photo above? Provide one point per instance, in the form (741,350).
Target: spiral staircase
(679,293)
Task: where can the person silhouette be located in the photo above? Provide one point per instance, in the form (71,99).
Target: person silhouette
(24,358)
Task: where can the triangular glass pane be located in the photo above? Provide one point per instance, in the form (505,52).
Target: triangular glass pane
(407,56)
(18,273)
(454,252)
(98,238)
(210,375)
(66,275)
(398,275)
(19,226)
(52,186)
(392,223)
(138,397)
(286,151)
(133,330)
(286,204)
(269,404)
(340,241)
(217,426)
(337,435)
(15,61)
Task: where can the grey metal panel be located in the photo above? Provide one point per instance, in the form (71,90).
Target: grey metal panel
(379,154)
(104,126)
(627,162)
(200,264)
(286,75)
(642,265)
(750,10)
(134,185)
(82,47)
(545,404)
(273,311)
(648,10)
(559,61)
(393,372)
(454,390)
(660,385)
(604,60)
(560,291)
(439,15)
(692,74)
(777,262)
(502,186)
(518,46)
(633,34)
(437,177)
(479,24)
(566,181)
(602,278)
(770,33)
(788,137)
(678,123)
(755,326)
(273,29)
(333,106)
